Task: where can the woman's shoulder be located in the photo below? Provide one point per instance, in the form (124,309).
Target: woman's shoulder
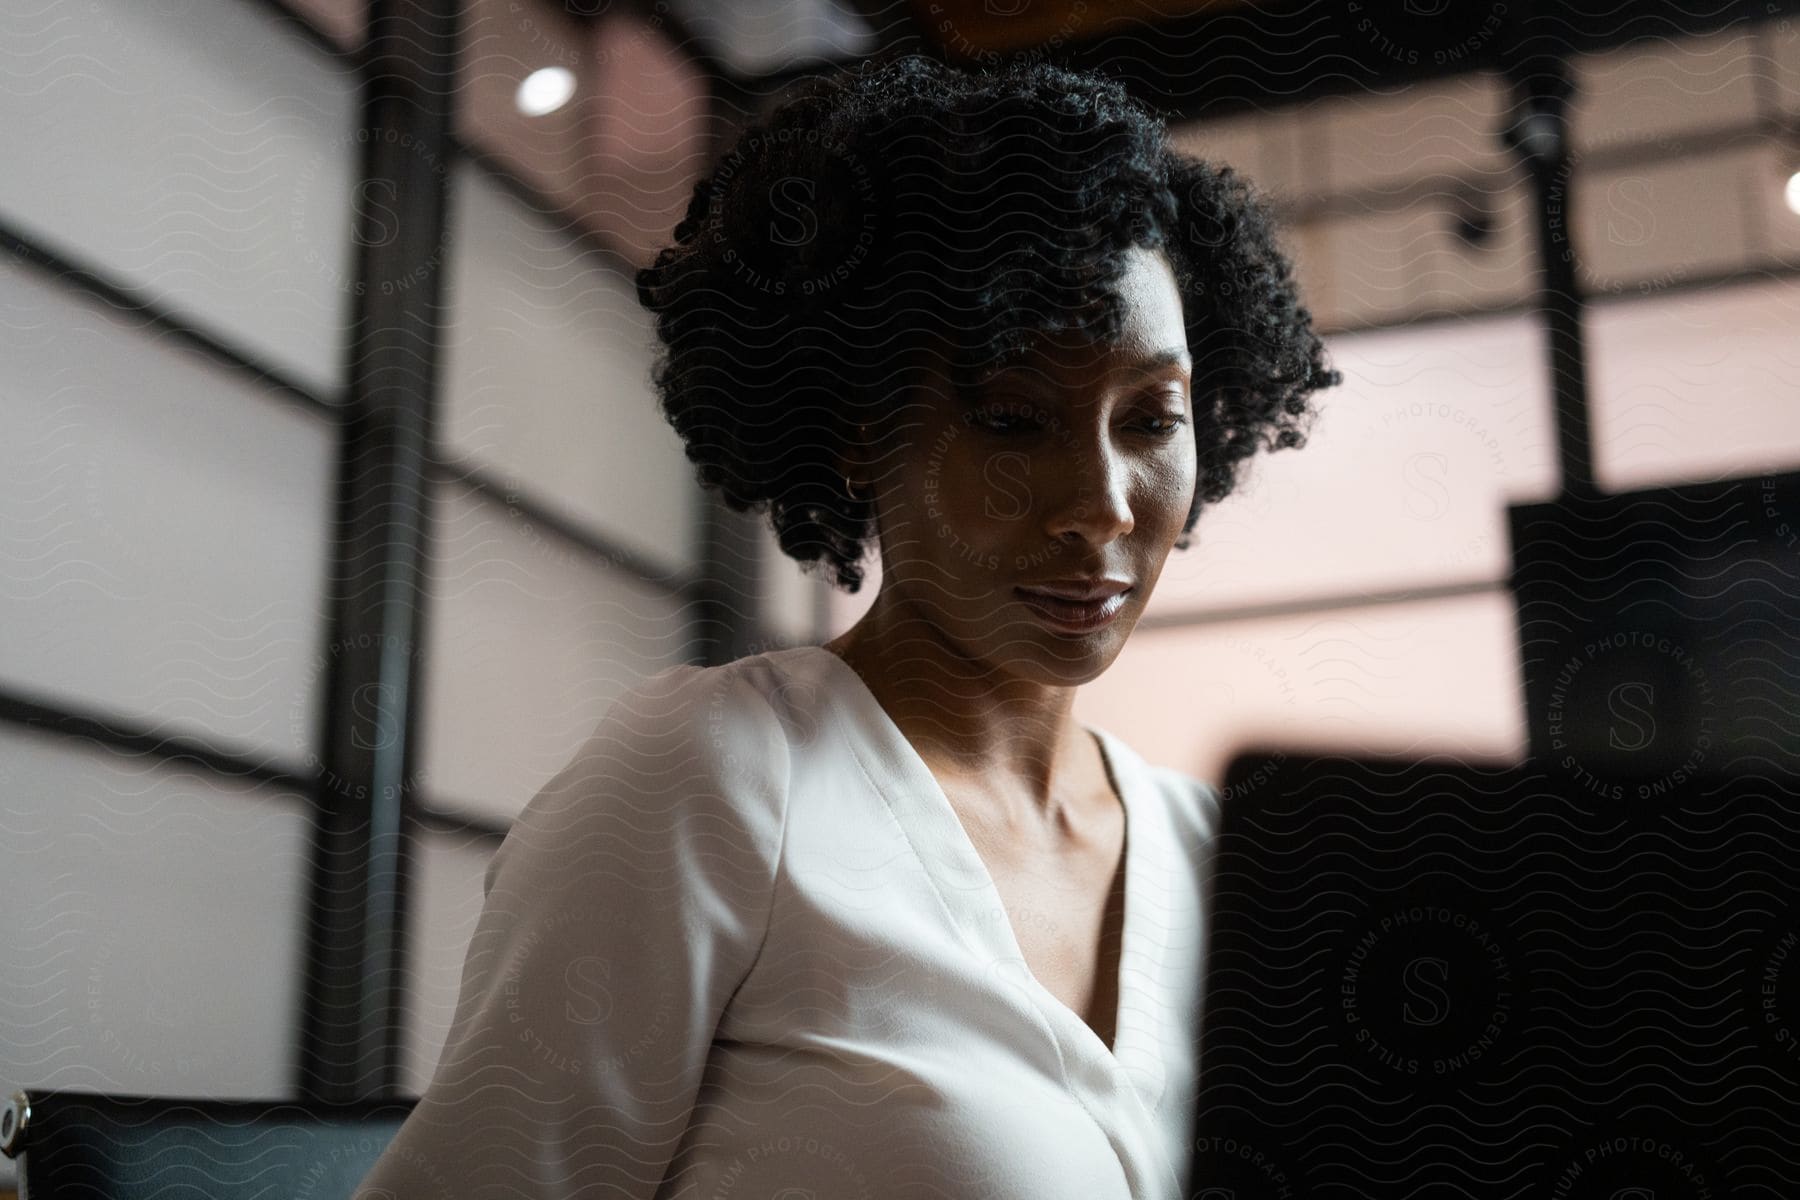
(759,698)
(685,752)
(710,731)
(753,697)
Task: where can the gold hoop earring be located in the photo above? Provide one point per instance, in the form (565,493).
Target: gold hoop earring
(863,429)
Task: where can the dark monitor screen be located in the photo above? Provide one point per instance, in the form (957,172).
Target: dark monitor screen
(1435,978)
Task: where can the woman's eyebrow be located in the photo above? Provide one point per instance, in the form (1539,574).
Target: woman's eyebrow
(1162,360)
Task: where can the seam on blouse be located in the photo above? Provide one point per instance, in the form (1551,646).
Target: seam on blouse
(780,841)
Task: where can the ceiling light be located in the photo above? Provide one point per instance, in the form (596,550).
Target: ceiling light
(545,90)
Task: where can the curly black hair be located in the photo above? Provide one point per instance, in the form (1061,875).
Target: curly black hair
(907,203)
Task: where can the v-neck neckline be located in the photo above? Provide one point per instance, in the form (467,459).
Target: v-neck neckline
(998,937)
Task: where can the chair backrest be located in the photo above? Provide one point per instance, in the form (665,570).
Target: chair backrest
(87,1144)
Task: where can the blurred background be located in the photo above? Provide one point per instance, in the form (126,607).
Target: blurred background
(338,509)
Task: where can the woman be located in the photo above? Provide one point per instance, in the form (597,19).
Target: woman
(879,918)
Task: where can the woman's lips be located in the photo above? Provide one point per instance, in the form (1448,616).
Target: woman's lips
(1071,616)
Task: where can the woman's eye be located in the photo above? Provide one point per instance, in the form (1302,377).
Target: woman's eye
(1012,420)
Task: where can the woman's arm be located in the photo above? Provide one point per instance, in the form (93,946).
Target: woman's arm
(623,910)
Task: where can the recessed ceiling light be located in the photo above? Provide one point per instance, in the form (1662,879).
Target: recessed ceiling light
(545,90)
(1793,192)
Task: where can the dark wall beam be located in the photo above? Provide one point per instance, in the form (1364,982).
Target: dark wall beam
(77,723)
(1537,131)
(156,318)
(725,618)
(352,1010)
(600,550)
(127,736)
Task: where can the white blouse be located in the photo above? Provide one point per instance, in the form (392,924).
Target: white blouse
(741,946)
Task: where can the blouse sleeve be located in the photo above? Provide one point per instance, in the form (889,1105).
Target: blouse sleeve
(624,908)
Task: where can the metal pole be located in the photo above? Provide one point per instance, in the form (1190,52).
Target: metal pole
(352,1009)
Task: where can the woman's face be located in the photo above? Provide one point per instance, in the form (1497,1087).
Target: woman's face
(1078,461)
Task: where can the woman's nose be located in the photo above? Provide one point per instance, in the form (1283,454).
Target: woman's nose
(1094,498)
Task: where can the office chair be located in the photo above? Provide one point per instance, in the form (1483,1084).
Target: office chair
(71,1144)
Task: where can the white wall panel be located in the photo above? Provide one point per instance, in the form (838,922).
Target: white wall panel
(1437,130)
(1379,262)
(547,381)
(153,942)
(1403,482)
(197,153)
(1264,147)
(1460,274)
(1647,227)
(445,905)
(1661,86)
(1781,45)
(1437,676)
(650,122)
(530,639)
(1384,266)
(166,528)
(791,596)
(1695,385)
(1308,248)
